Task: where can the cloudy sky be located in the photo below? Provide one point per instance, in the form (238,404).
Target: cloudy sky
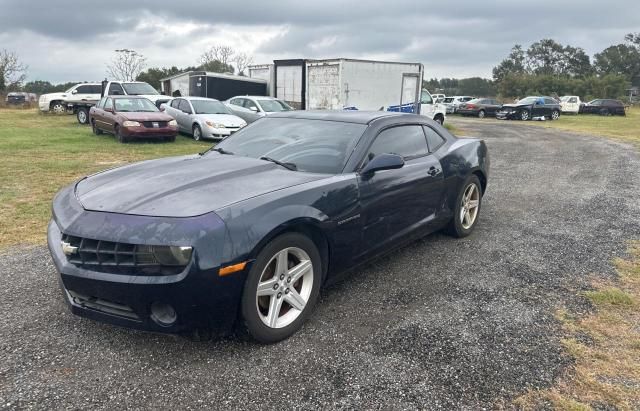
(74,40)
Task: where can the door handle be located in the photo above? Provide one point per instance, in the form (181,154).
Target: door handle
(433,171)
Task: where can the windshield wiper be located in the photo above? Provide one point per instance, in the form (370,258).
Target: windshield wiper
(218,149)
(288,166)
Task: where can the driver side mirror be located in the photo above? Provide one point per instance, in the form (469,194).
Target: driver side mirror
(254,109)
(74,92)
(383,162)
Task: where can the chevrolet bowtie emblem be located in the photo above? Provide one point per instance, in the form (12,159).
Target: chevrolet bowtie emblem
(68,249)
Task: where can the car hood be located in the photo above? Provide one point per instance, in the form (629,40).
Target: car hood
(184,186)
(228,120)
(145,116)
(516,105)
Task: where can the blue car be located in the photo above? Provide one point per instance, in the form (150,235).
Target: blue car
(244,236)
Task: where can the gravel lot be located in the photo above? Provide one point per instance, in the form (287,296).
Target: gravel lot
(442,323)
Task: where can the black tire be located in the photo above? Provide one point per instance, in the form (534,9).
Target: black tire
(605,112)
(455,226)
(83,115)
(196,132)
(250,323)
(524,115)
(555,114)
(481,114)
(119,136)
(57,107)
(95,129)
(439,119)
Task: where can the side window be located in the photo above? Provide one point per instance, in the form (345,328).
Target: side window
(425,98)
(108,103)
(115,89)
(95,89)
(549,101)
(434,140)
(101,102)
(249,104)
(236,102)
(175,102)
(573,100)
(184,106)
(83,89)
(406,141)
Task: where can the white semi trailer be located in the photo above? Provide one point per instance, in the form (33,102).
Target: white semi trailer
(369,85)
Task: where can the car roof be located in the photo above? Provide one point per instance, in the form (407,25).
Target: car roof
(347,116)
(195,98)
(257,97)
(118,97)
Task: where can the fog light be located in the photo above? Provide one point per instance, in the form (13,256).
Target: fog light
(163,314)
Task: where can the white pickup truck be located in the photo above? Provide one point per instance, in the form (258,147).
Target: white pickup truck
(115,88)
(571,104)
(57,102)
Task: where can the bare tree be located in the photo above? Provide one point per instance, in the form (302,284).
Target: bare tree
(126,65)
(242,60)
(12,71)
(224,54)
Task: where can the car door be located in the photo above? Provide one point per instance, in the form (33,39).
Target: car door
(398,202)
(184,115)
(108,114)
(97,114)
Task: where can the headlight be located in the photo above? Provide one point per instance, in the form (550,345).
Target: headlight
(173,123)
(214,125)
(130,124)
(172,255)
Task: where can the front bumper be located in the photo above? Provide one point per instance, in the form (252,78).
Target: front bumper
(504,115)
(465,112)
(43,105)
(211,132)
(149,132)
(199,296)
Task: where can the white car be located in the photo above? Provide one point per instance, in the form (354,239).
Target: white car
(437,97)
(57,102)
(570,104)
(251,108)
(453,103)
(203,117)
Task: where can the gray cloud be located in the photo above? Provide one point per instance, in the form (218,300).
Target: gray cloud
(452,39)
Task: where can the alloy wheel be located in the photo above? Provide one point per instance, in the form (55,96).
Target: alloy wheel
(470,206)
(555,115)
(197,133)
(524,115)
(481,114)
(58,108)
(82,117)
(284,287)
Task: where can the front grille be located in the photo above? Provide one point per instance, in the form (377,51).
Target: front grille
(149,124)
(105,306)
(116,258)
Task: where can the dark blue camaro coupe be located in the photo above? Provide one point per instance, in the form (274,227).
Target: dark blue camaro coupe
(245,235)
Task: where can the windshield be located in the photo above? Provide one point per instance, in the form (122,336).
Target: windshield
(134,104)
(137,89)
(272,106)
(316,146)
(209,107)
(528,100)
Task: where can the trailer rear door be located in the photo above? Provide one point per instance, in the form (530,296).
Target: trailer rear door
(324,86)
(289,85)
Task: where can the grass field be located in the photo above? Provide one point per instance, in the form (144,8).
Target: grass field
(625,128)
(41,153)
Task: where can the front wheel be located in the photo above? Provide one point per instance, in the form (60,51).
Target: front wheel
(119,135)
(481,114)
(95,128)
(57,107)
(197,132)
(524,115)
(467,208)
(281,288)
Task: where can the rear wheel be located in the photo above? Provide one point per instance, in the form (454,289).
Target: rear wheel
(524,115)
(170,139)
(481,114)
(281,288)
(83,115)
(467,209)
(196,132)
(555,114)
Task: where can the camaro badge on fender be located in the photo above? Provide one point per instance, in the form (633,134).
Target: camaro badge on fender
(68,249)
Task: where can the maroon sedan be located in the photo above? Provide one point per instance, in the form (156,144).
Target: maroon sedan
(129,117)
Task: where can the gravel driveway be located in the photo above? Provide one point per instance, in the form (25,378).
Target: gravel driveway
(441,323)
